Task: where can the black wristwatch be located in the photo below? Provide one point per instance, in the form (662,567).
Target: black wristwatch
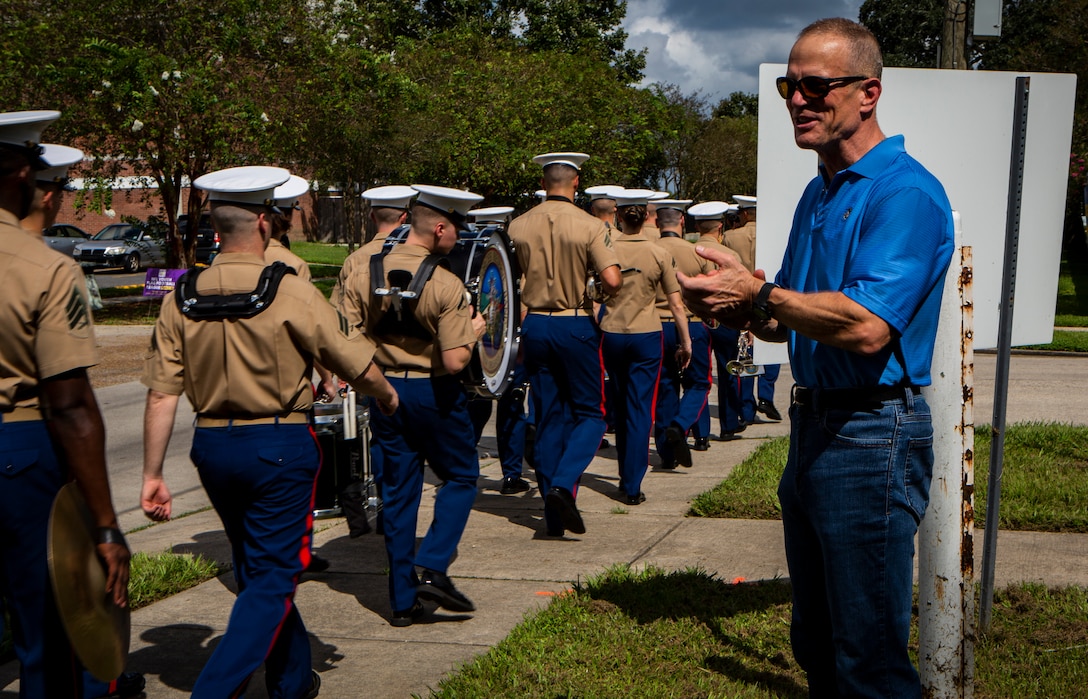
(760,309)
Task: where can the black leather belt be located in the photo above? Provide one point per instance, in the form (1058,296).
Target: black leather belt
(849,398)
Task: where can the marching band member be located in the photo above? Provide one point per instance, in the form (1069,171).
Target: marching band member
(419,314)
(674,415)
(285,199)
(51,430)
(709,219)
(243,358)
(602,203)
(556,244)
(511,420)
(632,344)
(389,206)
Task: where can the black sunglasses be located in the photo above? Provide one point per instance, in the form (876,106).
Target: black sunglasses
(813,87)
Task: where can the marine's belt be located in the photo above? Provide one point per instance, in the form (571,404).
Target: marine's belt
(20,415)
(294,418)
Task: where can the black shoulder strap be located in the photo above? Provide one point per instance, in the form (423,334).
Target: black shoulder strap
(221,306)
(405,288)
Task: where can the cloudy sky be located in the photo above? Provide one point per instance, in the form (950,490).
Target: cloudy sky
(716,46)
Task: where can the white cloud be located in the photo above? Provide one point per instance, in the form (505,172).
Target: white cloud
(716,47)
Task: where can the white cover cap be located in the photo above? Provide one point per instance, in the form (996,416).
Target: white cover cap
(654,196)
(633,197)
(390,196)
(744,202)
(251,184)
(58,158)
(24,129)
(288,193)
(575,160)
(541,194)
(454,203)
(708,210)
(603,191)
(678,204)
(492,214)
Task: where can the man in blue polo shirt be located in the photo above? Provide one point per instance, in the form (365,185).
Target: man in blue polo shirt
(857,299)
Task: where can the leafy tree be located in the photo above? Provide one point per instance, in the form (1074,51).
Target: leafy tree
(738,104)
(589,27)
(909,32)
(496,104)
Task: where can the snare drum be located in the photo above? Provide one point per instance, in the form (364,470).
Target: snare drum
(342,460)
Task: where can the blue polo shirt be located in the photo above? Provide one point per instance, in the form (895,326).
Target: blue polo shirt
(880,232)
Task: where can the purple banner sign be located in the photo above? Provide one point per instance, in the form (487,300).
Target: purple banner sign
(160,282)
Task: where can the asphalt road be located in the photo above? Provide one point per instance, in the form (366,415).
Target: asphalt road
(109,278)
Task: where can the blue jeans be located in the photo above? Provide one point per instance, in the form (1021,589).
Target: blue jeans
(854,491)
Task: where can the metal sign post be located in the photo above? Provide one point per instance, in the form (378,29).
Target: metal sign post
(1004,349)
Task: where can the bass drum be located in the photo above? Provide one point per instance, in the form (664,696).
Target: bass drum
(488,267)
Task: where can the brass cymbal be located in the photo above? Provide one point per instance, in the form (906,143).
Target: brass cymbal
(97,629)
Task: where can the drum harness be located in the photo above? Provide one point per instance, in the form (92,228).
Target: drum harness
(197,306)
(403,286)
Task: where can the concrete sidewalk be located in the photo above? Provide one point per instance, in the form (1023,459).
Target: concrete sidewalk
(504,566)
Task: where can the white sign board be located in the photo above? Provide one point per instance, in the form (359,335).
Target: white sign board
(958,124)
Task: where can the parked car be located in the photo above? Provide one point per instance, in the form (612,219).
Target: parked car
(207,240)
(62,237)
(130,246)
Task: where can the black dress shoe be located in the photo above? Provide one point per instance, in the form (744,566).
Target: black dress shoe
(679,443)
(127,684)
(767,408)
(562,502)
(315,686)
(317,564)
(636,499)
(406,617)
(513,485)
(438,588)
(701,443)
(666,464)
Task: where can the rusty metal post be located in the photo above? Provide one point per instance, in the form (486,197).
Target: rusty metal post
(946,590)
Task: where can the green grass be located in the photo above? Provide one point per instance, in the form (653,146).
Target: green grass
(1066,341)
(644,634)
(158,576)
(142,312)
(1044,480)
(689,634)
(320,253)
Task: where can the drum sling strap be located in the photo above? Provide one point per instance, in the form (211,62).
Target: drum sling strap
(197,306)
(403,286)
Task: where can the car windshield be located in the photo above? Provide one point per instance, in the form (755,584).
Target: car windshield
(121,232)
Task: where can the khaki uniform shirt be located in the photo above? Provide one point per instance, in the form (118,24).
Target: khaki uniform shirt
(276,252)
(45,320)
(252,367)
(743,242)
(687,261)
(359,258)
(633,308)
(557,244)
(443,309)
(711,241)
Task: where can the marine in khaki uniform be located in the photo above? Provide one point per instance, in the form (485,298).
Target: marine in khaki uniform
(745,246)
(602,203)
(511,420)
(245,366)
(632,345)
(49,187)
(557,245)
(51,430)
(389,206)
(675,416)
(710,222)
(286,198)
(423,341)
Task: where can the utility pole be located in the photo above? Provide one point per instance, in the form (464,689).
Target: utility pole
(954,35)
